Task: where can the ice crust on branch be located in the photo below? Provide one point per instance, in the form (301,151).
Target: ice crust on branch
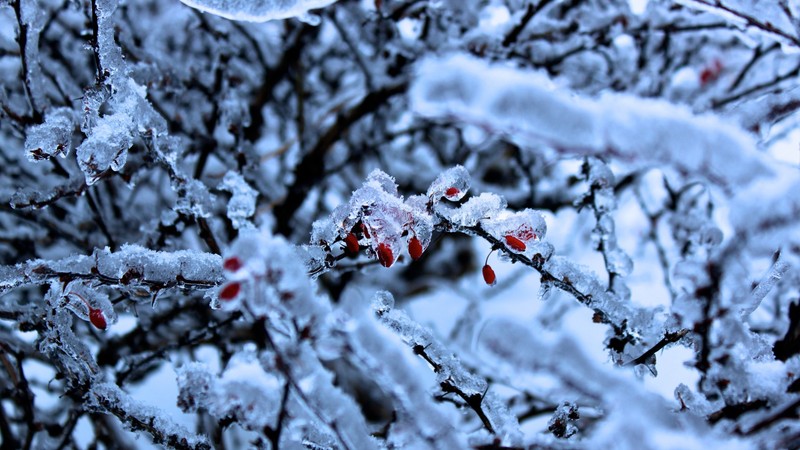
(131,264)
(257,10)
(110,398)
(527,106)
(450,371)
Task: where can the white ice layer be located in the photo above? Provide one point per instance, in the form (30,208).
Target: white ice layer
(257,10)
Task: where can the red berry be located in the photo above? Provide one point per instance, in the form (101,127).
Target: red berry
(351,241)
(232,264)
(515,243)
(97,318)
(385,255)
(365,230)
(230,291)
(706,75)
(451,192)
(711,72)
(415,248)
(488,275)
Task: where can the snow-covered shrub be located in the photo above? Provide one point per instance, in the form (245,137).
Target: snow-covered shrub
(412,224)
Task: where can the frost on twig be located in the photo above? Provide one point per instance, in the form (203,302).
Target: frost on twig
(451,374)
(110,399)
(132,265)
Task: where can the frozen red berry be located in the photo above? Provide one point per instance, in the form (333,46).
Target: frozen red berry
(97,318)
(515,243)
(351,243)
(385,255)
(415,248)
(230,291)
(232,264)
(451,192)
(488,275)
(525,233)
(711,72)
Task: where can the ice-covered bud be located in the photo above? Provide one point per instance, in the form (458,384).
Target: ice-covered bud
(561,424)
(710,236)
(383,302)
(617,261)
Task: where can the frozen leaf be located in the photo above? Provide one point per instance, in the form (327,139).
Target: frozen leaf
(382,181)
(89,304)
